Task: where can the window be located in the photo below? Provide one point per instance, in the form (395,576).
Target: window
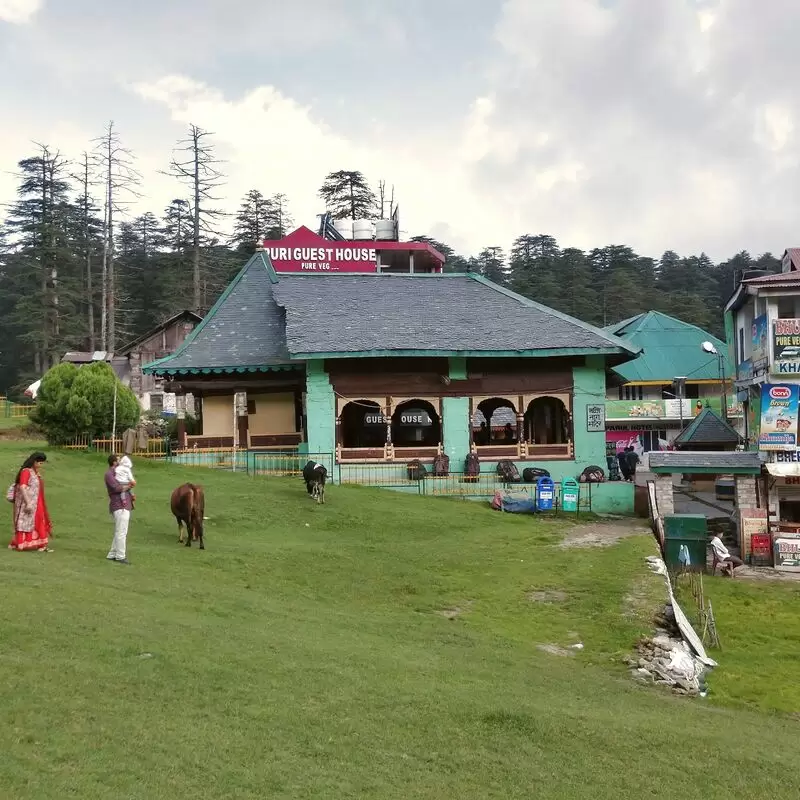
(547,421)
(495,422)
(786,308)
(251,406)
(157,403)
(415,423)
(629,392)
(741,345)
(363,424)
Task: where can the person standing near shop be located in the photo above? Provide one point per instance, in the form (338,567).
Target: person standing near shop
(119,506)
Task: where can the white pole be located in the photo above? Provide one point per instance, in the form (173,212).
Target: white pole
(114,424)
(235,432)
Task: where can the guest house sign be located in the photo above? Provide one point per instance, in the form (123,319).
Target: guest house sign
(305,251)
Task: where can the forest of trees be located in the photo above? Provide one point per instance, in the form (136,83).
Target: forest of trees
(79,271)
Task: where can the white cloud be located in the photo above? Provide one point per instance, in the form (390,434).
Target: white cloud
(273,143)
(659,124)
(18,11)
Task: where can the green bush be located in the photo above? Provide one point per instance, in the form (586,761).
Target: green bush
(78,402)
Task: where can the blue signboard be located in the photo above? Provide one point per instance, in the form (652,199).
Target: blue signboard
(759,342)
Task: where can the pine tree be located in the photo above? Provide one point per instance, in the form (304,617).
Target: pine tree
(41,261)
(252,222)
(347,195)
(279,221)
(534,268)
(491,264)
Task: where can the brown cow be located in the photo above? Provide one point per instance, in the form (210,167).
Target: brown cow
(188,506)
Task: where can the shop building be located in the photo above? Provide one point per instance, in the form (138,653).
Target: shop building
(763,324)
(642,409)
(381,368)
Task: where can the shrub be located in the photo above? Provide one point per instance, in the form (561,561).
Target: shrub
(74,402)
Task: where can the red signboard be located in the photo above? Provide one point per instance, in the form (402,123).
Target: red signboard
(305,251)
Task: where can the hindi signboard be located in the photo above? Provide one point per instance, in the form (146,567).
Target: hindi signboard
(595,418)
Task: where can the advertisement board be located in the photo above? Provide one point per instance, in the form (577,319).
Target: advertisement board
(786,347)
(779,407)
(759,342)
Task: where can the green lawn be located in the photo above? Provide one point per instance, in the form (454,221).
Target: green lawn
(308,653)
(12,423)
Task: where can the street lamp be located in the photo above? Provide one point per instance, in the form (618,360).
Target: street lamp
(708,347)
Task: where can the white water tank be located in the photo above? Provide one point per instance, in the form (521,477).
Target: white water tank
(384,229)
(345,227)
(362,229)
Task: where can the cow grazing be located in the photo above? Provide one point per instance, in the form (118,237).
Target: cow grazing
(188,506)
(315,475)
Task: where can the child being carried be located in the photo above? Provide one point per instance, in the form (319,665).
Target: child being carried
(124,474)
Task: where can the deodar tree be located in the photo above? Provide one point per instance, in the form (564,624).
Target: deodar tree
(347,195)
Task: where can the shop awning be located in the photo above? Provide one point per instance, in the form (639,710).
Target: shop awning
(786,470)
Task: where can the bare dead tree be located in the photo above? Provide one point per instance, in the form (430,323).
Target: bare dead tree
(195,164)
(382,196)
(114,166)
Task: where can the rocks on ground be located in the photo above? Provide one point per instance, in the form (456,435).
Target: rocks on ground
(664,659)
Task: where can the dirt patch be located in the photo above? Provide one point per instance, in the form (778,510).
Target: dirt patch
(603,534)
(455,611)
(765,574)
(547,596)
(555,650)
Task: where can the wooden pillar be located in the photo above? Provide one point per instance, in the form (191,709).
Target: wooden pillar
(338,433)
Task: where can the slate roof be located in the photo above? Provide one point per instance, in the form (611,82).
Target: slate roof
(670,348)
(263,320)
(707,428)
(244,328)
(747,462)
(342,314)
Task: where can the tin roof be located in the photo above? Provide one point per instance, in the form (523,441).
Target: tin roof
(670,348)
(707,428)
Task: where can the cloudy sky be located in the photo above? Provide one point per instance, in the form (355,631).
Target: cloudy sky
(655,123)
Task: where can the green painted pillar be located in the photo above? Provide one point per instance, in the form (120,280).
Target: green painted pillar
(320,410)
(589,389)
(456,421)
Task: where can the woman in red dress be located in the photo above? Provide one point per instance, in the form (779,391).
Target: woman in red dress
(32,527)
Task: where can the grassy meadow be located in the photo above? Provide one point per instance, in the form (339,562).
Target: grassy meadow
(380,646)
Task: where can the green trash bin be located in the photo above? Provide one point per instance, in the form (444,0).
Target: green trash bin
(570,494)
(690,530)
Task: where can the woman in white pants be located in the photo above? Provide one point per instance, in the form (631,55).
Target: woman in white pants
(119,506)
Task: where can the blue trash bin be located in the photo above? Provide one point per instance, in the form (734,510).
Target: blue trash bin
(545,492)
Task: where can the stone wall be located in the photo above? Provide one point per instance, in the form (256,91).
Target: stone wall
(664,495)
